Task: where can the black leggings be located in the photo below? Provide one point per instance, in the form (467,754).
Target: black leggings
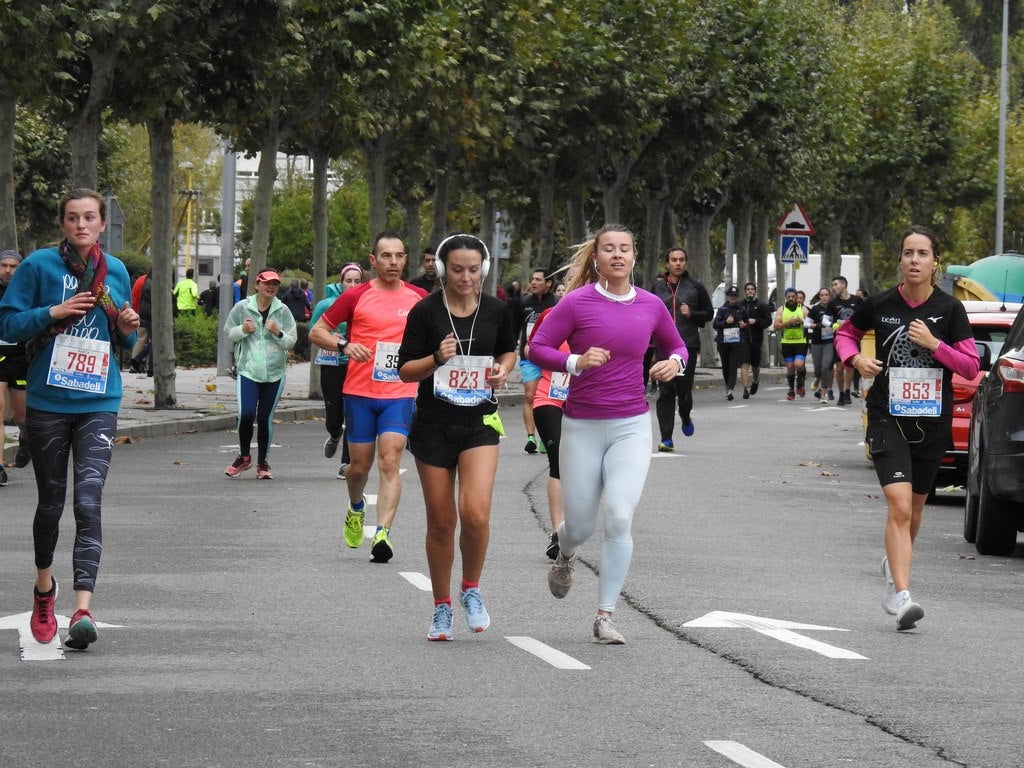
(732,355)
(52,437)
(257,401)
(548,419)
(332,381)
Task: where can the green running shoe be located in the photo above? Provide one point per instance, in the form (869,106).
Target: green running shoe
(354,534)
(381,550)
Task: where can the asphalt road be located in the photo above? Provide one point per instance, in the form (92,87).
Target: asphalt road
(249,635)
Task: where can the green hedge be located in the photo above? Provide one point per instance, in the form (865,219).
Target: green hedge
(195,340)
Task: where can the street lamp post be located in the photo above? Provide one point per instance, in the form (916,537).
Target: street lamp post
(190,194)
(1001,173)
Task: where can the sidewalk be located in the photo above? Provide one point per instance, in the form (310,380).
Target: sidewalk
(207,402)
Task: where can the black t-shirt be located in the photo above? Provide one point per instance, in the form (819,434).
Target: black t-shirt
(487,332)
(844,308)
(890,316)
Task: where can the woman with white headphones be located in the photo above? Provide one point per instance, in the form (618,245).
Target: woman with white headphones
(459,346)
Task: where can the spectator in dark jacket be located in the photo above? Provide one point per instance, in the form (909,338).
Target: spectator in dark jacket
(295,299)
(209,299)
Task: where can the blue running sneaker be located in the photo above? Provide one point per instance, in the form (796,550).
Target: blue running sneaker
(441,627)
(477,618)
(688,427)
(666,446)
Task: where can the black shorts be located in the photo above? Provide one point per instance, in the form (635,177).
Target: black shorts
(438,441)
(13,368)
(908,449)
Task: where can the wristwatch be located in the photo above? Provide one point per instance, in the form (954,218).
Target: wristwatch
(342,343)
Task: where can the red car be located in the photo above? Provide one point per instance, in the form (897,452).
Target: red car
(990,321)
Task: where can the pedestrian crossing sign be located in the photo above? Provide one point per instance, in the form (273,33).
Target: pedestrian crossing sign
(795,249)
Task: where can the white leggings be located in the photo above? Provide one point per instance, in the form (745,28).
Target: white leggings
(610,456)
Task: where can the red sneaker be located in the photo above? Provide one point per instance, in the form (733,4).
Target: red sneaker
(43,623)
(238,466)
(81,631)
(263,472)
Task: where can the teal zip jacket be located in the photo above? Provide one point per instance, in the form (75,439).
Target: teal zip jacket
(40,282)
(261,356)
(331,294)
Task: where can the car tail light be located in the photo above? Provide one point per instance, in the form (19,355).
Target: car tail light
(1012,374)
(963,391)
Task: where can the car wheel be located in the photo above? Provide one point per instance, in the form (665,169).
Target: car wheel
(997,523)
(970,514)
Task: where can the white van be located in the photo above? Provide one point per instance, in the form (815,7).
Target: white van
(807,278)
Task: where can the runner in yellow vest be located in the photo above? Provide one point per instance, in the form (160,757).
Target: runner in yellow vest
(789,319)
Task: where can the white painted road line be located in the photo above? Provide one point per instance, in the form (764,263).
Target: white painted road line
(741,755)
(546,653)
(778,629)
(418,580)
(807,643)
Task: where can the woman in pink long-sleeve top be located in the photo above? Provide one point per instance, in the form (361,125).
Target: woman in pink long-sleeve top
(923,337)
(606,428)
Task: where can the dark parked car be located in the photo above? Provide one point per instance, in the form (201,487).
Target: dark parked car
(994,502)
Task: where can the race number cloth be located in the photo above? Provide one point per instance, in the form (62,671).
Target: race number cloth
(559,389)
(915,391)
(324,357)
(385,361)
(79,363)
(462,380)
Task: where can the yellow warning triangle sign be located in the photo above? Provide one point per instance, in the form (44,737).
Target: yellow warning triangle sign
(795,223)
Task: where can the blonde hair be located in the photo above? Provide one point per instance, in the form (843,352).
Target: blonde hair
(581,264)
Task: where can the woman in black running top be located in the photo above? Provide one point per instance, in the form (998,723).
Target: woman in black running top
(922,337)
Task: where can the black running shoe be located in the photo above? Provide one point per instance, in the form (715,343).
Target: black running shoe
(552,548)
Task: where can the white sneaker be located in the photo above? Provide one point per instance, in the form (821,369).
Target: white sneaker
(605,632)
(889,601)
(908,613)
(560,574)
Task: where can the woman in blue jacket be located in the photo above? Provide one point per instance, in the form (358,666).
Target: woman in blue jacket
(70,304)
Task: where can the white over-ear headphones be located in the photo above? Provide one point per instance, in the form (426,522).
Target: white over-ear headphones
(485,266)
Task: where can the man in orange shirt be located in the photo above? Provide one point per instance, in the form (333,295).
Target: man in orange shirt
(378,405)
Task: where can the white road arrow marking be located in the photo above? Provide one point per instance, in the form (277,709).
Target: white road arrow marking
(33,650)
(551,655)
(418,580)
(741,755)
(777,628)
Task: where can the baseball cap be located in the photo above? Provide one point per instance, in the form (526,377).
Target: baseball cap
(732,291)
(268,275)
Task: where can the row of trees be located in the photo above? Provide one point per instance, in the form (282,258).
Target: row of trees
(669,115)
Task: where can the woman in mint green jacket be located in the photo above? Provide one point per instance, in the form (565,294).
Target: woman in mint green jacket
(263,330)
